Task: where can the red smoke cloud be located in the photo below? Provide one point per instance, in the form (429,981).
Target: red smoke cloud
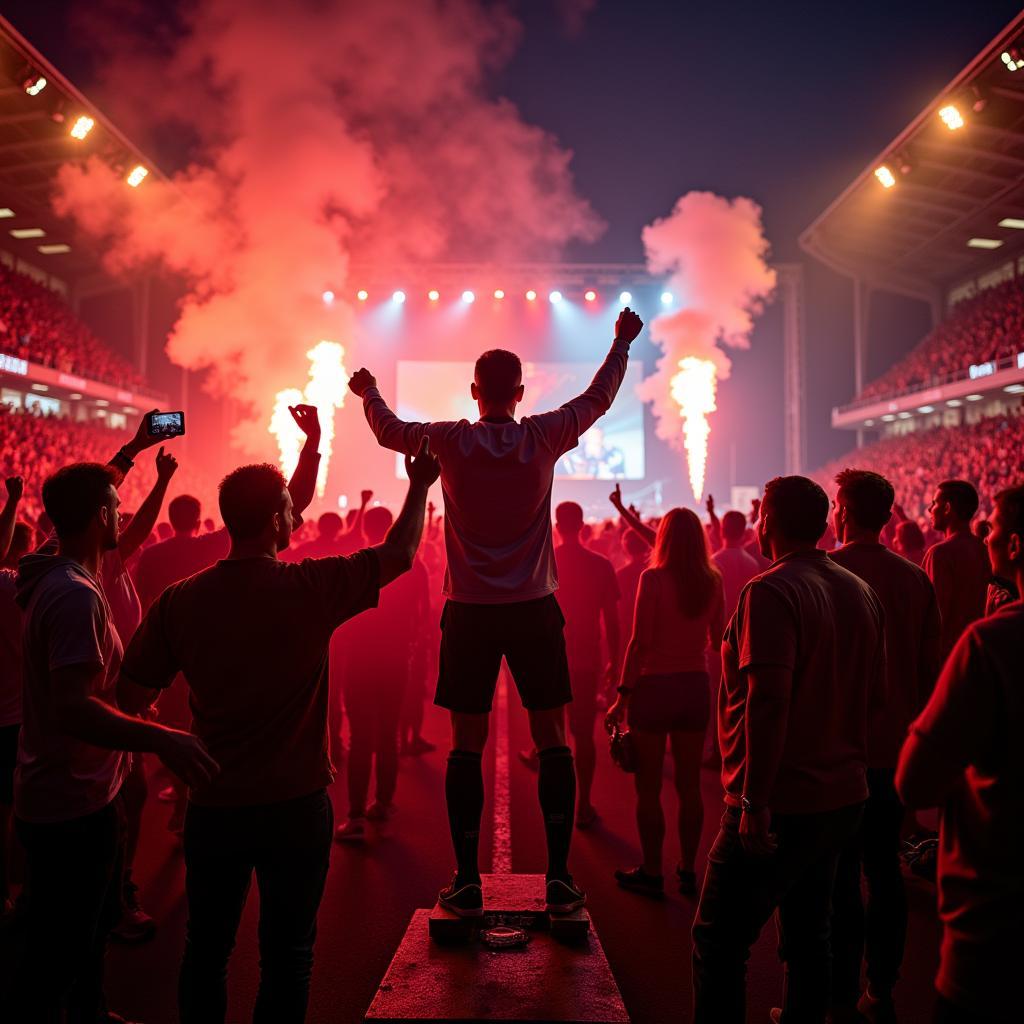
(325,131)
(714,253)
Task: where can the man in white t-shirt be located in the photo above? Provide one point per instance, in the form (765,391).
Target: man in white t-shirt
(496,478)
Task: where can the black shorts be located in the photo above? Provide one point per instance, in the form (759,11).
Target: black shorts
(475,637)
(8,759)
(670,702)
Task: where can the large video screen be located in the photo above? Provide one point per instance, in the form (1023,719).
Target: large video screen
(613,449)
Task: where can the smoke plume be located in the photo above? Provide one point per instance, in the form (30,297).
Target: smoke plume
(322,132)
(713,252)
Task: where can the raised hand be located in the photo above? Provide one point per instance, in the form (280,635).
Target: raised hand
(628,326)
(710,505)
(166,465)
(365,497)
(142,439)
(307,418)
(424,469)
(361,382)
(15,488)
(616,497)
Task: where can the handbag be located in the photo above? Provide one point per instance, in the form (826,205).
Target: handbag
(623,750)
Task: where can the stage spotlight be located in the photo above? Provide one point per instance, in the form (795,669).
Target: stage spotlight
(499,293)
(137,175)
(398,296)
(951,117)
(885,177)
(362,295)
(81,128)
(34,84)
(666,298)
(531,295)
(625,298)
(555,297)
(1012,59)
(468,296)
(433,295)
(590,295)
(328,297)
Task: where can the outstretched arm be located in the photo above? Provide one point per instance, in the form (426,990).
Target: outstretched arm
(135,533)
(634,522)
(390,431)
(302,485)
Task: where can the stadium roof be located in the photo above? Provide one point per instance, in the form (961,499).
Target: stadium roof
(35,140)
(939,221)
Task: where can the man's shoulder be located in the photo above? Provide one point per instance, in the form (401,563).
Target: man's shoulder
(1006,623)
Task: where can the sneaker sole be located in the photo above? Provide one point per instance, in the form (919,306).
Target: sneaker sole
(565,908)
(461,911)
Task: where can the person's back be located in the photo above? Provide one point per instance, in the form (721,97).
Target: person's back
(586,584)
(734,561)
(911,641)
(959,570)
(676,641)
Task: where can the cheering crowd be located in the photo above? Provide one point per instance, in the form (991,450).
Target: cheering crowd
(986,327)
(36,325)
(843,686)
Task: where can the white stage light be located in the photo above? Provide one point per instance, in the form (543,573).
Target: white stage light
(531,296)
(398,296)
(555,297)
(433,295)
(362,295)
(590,295)
(666,298)
(468,296)
(499,293)
(328,297)
(625,298)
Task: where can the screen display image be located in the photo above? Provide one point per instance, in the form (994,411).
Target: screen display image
(166,424)
(613,449)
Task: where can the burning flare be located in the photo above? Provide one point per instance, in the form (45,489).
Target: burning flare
(693,389)
(325,390)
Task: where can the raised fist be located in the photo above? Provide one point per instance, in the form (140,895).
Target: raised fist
(307,419)
(15,488)
(628,326)
(365,497)
(361,382)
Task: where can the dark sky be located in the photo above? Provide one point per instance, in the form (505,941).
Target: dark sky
(782,102)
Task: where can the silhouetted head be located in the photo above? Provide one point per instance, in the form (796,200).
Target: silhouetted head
(734,526)
(376,523)
(81,501)
(794,513)
(636,547)
(863,502)
(1006,539)
(184,513)
(256,506)
(982,528)
(681,547)
(329,525)
(164,531)
(497,381)
(954,505)
(568,520)
(909,541)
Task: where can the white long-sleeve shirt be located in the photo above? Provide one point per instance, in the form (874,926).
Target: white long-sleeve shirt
(496,478)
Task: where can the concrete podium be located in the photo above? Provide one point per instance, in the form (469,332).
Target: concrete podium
(443,972)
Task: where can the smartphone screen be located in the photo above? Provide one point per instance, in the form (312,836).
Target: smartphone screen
(166,424)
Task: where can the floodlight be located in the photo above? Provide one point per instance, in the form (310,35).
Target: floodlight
(81,128)
(983,243)
(951,117)
(885,177)
(34,84)
(137,175)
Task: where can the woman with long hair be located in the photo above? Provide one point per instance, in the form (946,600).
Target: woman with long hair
(665,691)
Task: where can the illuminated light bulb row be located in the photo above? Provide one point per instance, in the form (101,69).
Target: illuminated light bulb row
(468,296)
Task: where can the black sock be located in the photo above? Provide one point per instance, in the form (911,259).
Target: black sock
(464,792)
(556,787)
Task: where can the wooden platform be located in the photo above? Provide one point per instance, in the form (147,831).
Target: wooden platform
(546,980)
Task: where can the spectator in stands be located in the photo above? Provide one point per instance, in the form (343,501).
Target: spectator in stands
(964,754)
(958,565)
(862,508)
(250,634)
(70,753)
(804,659)
(679,613)
(375,650)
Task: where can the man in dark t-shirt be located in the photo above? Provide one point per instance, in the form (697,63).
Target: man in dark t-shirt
(588,595)
(250,634)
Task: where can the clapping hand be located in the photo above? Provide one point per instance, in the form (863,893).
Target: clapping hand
(15,488)
(307,419)
(166,465)
(361,382)
(424,469)
(628,326)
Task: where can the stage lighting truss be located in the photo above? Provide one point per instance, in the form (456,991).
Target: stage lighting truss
(1012,59)
(469,296)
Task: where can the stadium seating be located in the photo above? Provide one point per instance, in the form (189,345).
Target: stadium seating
(36,325)
(988,326)
(987,453)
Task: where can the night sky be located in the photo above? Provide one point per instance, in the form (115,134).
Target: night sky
(784,103)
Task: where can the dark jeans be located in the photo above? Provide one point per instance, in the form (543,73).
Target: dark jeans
(288,845)
(879,933)
(73,877)
(374,703)
(739,896)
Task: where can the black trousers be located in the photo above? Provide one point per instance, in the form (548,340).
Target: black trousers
(74,873)
(288,846)
(742,892)
(877,932)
